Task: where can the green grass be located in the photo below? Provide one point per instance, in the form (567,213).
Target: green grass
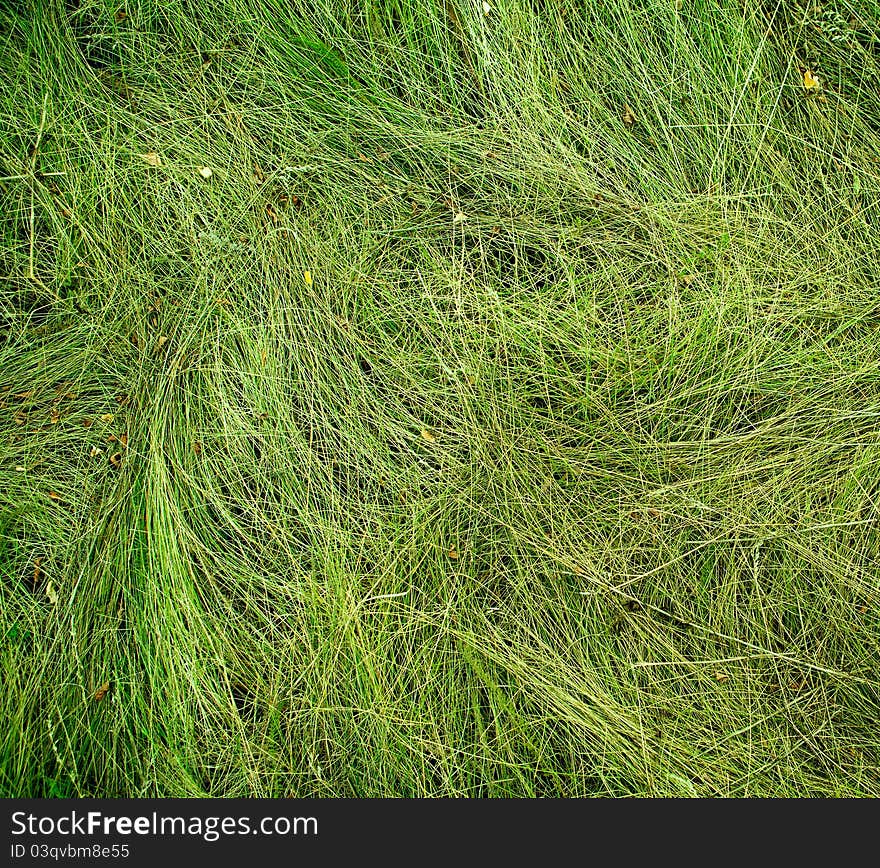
(560,477)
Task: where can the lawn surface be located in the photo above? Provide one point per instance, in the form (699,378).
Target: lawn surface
(440,398)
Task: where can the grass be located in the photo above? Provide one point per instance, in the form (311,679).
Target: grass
(501,417)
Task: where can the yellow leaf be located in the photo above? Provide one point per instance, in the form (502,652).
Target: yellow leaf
(50,593)
(811,82)
(628,117)
(307,277)
(427,435)
(151,158)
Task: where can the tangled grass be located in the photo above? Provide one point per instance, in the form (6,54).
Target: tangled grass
(498,416)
